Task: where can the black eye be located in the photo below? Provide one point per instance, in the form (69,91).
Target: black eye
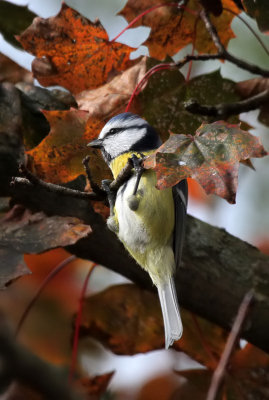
(114,130)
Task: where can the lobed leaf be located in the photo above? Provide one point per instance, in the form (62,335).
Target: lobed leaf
(72,51)
(173,28)
(211,157)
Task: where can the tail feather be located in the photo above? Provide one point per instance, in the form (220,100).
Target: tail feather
(171,315)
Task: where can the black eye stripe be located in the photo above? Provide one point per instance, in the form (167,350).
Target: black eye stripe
(114,131)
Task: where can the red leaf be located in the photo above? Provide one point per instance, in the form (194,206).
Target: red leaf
(211,157)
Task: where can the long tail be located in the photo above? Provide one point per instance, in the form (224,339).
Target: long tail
(171,316)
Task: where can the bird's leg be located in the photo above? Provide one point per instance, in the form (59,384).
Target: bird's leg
(139,169)
(134,199)
(112,222)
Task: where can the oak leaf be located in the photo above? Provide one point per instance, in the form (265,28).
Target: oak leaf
(72,51)
(211,156)
(173,28)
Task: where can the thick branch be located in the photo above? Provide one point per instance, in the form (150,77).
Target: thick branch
(228,109)
(216,272)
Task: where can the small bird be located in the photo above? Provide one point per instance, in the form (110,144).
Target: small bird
(149,222)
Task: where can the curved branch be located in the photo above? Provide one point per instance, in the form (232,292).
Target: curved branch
(228,109)
(217,268)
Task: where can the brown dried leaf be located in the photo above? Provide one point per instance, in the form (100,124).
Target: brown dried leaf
(128,320)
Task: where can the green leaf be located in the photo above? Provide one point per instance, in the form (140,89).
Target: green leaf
(259,10)
(13,20)
(162,101)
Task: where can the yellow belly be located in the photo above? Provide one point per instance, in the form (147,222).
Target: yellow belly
(147,233)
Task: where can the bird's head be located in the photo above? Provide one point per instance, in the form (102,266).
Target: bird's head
(124,133)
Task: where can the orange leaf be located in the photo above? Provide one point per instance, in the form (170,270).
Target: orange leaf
(211,157)
(72,51)
(172,29)
(58,158)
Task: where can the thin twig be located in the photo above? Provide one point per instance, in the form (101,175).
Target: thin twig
(95,188)
(225,110)
(30,179)
(219,373)
(212,31)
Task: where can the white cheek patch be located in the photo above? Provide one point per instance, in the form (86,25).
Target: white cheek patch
(122,142)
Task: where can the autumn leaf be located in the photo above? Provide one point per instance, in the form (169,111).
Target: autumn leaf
(211,157)
(259,10)
(24,232)
(58,158)
(112,98)
(128,320)
(250,88)
(72,51)
(173,28)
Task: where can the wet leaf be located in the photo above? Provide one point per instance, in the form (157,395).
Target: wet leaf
(73,52)
(162,102)
(13,20)
(23,232)
(128,320)
(172,28)
(211,157)
(96,386)
(252,87)
(259,10)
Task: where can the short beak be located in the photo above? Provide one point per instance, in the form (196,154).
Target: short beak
(97,143)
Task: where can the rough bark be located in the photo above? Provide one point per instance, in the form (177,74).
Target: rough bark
(217,268)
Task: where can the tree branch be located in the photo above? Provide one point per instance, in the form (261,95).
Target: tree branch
(219,372)
(217,268)
(228,109)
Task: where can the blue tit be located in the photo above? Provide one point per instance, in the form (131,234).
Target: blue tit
(151,222)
